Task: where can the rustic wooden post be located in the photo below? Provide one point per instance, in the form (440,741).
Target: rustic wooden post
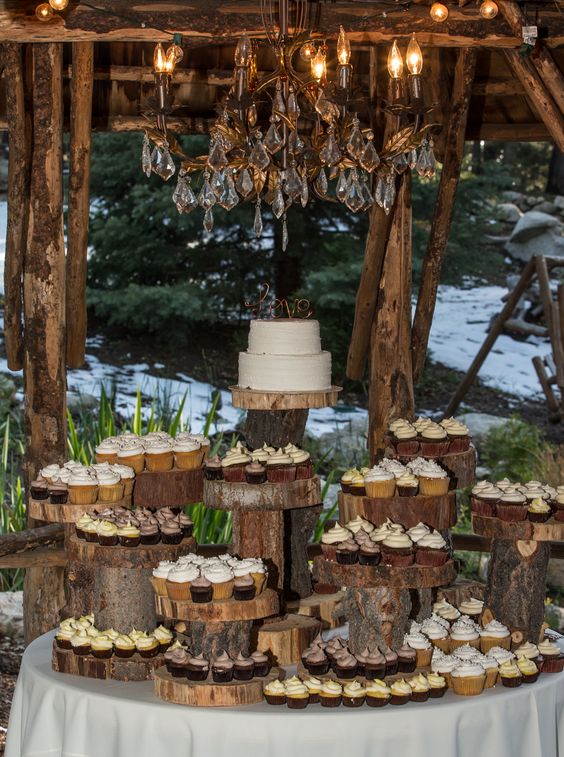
(442,218)
(19,174)
(79,200)
(44,312)
(391,384)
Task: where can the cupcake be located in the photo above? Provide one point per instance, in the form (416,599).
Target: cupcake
(233,466)
(407,485)
(359,524)
(213,470)
(528,650)
(317,662)
(374,665)
(405,440)
(357,486)
(222,668)
(83,489)
(133,455)
(437,685)
(494,634)
(80,525)
(552,657)
(171,533)
(431,550)
(377,694)
(147,646)
(512,506)
(510,674)
(107,451)
(400,692)
(528,669)
(345,666)
(186,525)
(58,494)
(150,534)
(391,662)
(90,530)
(280,468)
(468,679)
(275,692)
(124,646)
(379,483)
(39,489)
(354,694)
(187,454)
(179,582)
(485,497)
(369,554)
(347,552)
(304,466)
(197,668)
(262,664)
(129,536)
(539,511)
(491,666)
(331,694)
(473,608)
(297,694)
(419,688)
(201,590)
(445,610)
(102,647)
(433,441)
(164,637)
(81,642)
(63,637)
(178,662)
(255,473)
(244,588)
(107,533)
(221,577)
(422,646)
(397,550)
(331,538)
(558,504)
(462,633)
(244,668)
(127,476)
(437,634)
(433,481)
(160,574)
(443,665)
(407,659)
(201,439)
(458,435)
(110,487)
(346,480)
(313,686)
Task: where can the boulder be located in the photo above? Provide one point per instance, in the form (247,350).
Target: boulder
(559,202)
(507,211)
(511,196)
(480,424)
(545,207)
(536,233)
(11,613)
(78,402)
(532,201)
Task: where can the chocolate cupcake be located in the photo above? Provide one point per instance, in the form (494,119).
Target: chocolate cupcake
(177,663)
(407,485)
(280,468)
(197,668)
(222,668)
(345,666)
(129,535)
(244,588)
(58,494)
(213,470)
(397,550)
(354,694)
(171,533)
(512,506)
(391,662)
(407,658)
(431,549)
(39,489)
(539,511)
(262,664)
(369,553)
(201,590)
(147,646)
(149,534)
(347,552)
(361,661)
(405,440)
(81,643)
(244,668)
(124,646)
(317,662)
(419,688)
(375,665)
(400,692)
(107,533)
(304,466)
(275,693)
(102,647)
(186,525)
(255,473)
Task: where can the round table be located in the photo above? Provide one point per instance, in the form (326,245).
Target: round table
(56,714)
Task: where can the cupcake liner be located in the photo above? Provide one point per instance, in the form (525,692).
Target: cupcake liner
(511,513)
(128,484)
(107,540)
(213,474)
(491,677)
(433,447)
(431,557)
(124,653)
(358,491)
(275,699)
(380,489)
(399,699)
(243,674)
(455,643)
(345,673)
(244,594)
(137,462)
(188,460)
(484,507)
(406,491)
(458,444)
(488,642)
(148,653)
(281,474)
(180,592)
(371,674)
(260,582)
(442,644)
(329,552)
(160,463)
(352,701)
(407,447)
(304,470)
(376,701)
(531,678)
(511,682)
(172,538)
(419,696)
(234,474)
(328,701)
(407,665)
(423,658)
(83,495)
(436,692)
(433,487)
(223,590)
(297,703)
(108,457)
(538,517)
(110,492)
(201,596)
(559,515)
(344,557)
(102,654)
(396,559)
(468,686)
(130,541)
(553,663)
(255,479)
(369,559)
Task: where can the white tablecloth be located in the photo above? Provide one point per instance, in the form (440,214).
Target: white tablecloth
(57,714)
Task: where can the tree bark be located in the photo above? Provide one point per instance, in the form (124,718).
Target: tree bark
(555,183)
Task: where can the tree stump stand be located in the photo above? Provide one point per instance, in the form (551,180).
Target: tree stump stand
(437,512)
(173,488)
(134,668)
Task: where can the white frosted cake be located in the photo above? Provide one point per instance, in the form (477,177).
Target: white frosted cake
(285,355)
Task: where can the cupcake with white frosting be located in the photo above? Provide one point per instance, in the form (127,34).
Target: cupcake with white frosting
(379,483)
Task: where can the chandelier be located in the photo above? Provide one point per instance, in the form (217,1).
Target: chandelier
(284,138)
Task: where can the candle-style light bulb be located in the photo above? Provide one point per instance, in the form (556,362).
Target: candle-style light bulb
(174,55)
(395,61)
(243,51)
(319,65)
(58,5)
(159,60)
(414,57)
(488,9)
(44,12)
(343,48)
(439,12)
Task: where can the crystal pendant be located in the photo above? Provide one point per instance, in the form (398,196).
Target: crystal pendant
(278,204)
(369,159)
(304,194)
(293,107)
(342,186)
(295,143)
(321,182)
(355,145)
(354,199)
(412,159)
(273,141)
(229,197)
(208,220)
(217,160)
(163,164)
(217,183)
(400,163)
(330,153)
(389,194)
(244,183)
(293,183)
(278,101)
(259,157)
(431,162)
(257,226)
(252,115)
(146,157)
(366,193)
(425,165)
(206,198)
(284,234)
(183,196)
(380,190)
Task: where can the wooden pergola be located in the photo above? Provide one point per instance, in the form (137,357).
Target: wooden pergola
(91,69)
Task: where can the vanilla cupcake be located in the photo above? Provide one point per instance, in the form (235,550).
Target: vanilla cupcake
(158,455)
(132,454)
(494,634)
(377,693)
(110,486)
(354,694)
(188,454)
(221,578)
(331,538)
(160,574)
(107,451)
(331,694)
(178,581)
(379,483)
(463,633)
(83,489)
(468,679)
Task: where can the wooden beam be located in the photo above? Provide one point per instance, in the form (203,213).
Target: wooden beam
(542,59)
(537,93)
(391,375)
(23,541)
(552,317)
(545,382)
(78,201)
(42,557)
(44,311)
(505,132)
(19,174)
(488,88)
(442,218)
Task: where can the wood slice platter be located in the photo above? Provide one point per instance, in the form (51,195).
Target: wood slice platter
(325,607)
(285,639)
(368,576)
(134,668)
(523,530)
(223,495)
(210,694)
(172,488)
(67,513)
(143,556)
(253,399)
(437,512)
(303,673)
(263,606)
(461,466)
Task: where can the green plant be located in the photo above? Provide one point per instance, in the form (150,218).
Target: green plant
(513,450)
(12,510)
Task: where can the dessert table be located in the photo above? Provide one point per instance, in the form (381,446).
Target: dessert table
(58,714)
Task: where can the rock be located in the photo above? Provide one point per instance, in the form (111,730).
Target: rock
(78,402)
(533,223)
(511,196)
(536,233)
(11,613)
(545,207)
(480,424)
(532,201)
(559,202)
(507,211)
(555,574)
(346,445)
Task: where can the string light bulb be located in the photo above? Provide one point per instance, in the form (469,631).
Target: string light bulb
(44,12)
(395,61)
(488,9)
(439,12)
(319,65)
(414,57)
(174,55)
(159,60)
(307,51)
(343,48)
(243,51)
(58,5)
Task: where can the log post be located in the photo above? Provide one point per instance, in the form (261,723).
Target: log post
(537,93)
(19,175)
(79,199)
(44,312)
(391,384)
(444,207)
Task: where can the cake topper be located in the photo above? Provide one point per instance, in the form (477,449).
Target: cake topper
(275,308)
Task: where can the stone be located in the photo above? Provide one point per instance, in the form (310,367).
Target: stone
(78,402)
(507,211)
(11,614)
(545,207)
(480,424)
(511,196)
(536,233)
(532,224)
(559,202)
(555,574)
(532,201)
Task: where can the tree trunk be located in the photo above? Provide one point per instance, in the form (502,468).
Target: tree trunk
(555,183)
